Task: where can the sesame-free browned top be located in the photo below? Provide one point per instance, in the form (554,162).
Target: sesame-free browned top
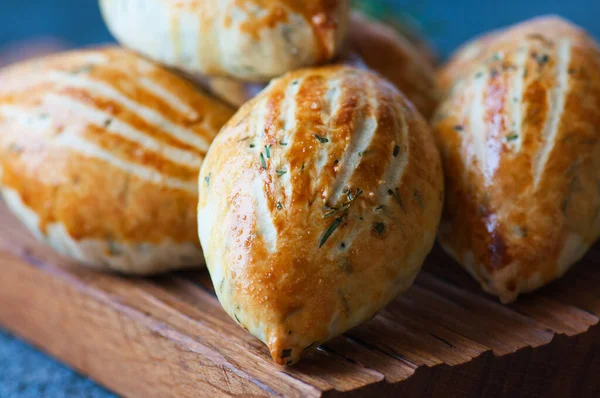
(319,201)
(520,138)
(106,144)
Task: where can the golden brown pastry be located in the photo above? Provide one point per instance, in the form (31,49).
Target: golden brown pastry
(481,48)
(251,40)
(99,157)
(373,45)
(520,140)
(319,201)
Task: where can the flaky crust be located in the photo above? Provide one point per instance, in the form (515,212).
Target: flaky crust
(319,201)
(99,156)
(520,140)
(251,40)
(370,44)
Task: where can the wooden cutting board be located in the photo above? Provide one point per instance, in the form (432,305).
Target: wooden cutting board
(168,337)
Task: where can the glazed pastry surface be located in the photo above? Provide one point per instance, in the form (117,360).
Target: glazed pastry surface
(550,26)
(519,136)
(251,40)
(370,45)
(319,201)
(99,156)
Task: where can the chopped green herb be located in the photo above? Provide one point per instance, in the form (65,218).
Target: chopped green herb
(295,82)
(343,245)
(396,195)
(333,211)
(236,318)
(44,116)
(459,128)
(379,228)
(515,99)
(207,179)
(330,230)
(396,151)
(279,206)
(281,172)
(322,140)
(352,196)
(107,123)
(302,167)
(337,161)
(494,72)
(286,353)
(283,143)
(541,59)
(252,146)
(478,75)
(512,137)
(496,57)
(262,161)
(268,151)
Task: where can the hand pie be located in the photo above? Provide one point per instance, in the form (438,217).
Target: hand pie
(99,156)
(251,40)
(519,136)
(319,201)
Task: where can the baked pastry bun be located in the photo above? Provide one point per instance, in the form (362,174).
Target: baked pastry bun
(99,157)
(551,26)
(319,201)
(370,45)
(519,135)
(251,40)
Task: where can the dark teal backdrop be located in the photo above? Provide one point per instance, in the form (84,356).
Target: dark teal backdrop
(25,372)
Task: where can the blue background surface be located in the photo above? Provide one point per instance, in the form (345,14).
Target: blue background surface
(24,371)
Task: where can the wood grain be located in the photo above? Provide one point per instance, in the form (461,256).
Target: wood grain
(168,337)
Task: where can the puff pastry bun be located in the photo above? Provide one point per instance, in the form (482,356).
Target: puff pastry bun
(320,199)
(99,156)
(519,135)
(370,45)
(251,40)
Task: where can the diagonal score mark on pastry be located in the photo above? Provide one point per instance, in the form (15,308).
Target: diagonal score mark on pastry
(370,44)
(252,40)
(556,107)
(300,253)
(100,153)
(104,90)
(520,139)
